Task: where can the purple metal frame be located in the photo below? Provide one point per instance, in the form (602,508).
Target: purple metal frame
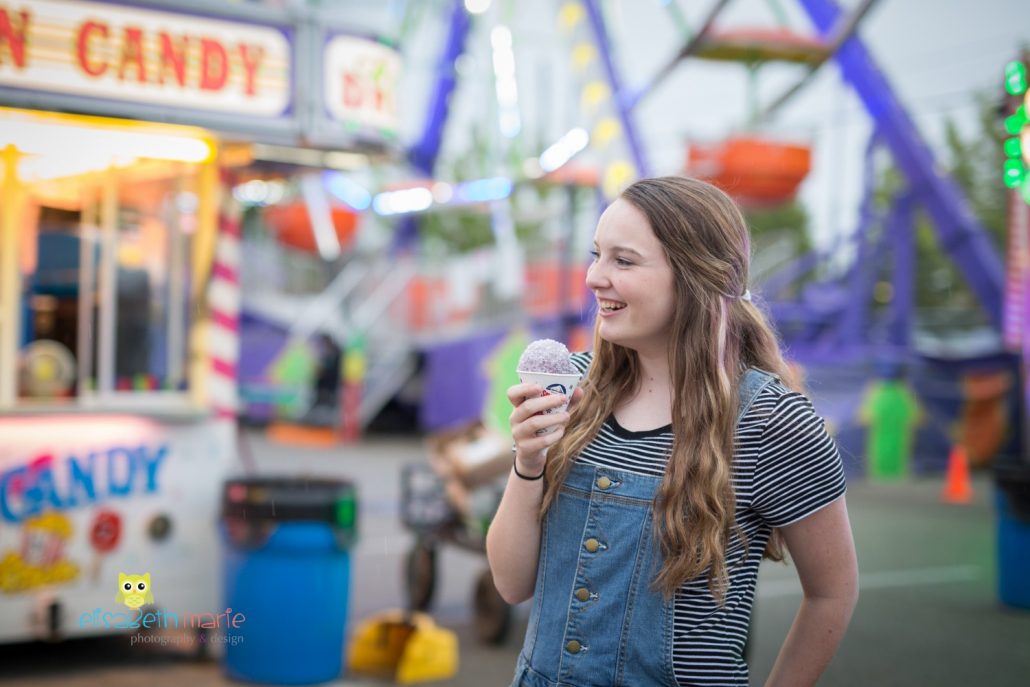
(805,263)
(615,83)
(423,154)
(853,324)
(901,225)
(961,234)
(842,321)
(835,316)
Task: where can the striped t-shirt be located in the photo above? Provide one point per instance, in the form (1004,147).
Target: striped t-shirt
(785,467)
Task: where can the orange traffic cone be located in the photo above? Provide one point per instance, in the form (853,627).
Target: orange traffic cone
(957,486)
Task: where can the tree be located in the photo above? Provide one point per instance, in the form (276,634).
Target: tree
(462,229)
(787,220)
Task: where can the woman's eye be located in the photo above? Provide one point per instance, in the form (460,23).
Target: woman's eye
(622,262)
(594,254)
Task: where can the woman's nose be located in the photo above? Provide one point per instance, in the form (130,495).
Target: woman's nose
(595,276)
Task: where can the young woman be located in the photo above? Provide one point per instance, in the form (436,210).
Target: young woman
(638,526)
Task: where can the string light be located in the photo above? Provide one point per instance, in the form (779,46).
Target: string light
(1015,77)
(504,82)
(562,150)
(477,6)
(403,201)
(1017,153)
(349,192)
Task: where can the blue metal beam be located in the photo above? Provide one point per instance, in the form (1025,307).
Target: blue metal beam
(902,226)
(853,327)
(807,262)
(863,272)
(423,154)
(960,233)
(615,83)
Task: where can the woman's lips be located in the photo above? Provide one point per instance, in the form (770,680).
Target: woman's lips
(607,307)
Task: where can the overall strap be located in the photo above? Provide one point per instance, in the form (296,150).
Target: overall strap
(751,384)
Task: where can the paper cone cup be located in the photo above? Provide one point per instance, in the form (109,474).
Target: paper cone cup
(553,384)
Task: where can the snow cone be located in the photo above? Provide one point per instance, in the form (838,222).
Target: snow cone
(546,362)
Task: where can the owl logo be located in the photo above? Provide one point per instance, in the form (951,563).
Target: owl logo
(134,590)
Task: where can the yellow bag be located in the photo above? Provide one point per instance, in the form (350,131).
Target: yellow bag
(407,647)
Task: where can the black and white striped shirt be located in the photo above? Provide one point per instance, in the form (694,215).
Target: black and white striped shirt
(785,467)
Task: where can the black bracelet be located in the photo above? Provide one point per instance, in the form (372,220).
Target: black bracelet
(515,467)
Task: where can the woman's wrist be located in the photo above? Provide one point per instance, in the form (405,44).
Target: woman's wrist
(521,471)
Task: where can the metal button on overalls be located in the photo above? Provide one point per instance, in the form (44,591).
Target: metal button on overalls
(604,482)
(592,545)
(582,593)
(573,647)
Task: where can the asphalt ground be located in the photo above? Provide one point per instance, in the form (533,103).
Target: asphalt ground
(928,612)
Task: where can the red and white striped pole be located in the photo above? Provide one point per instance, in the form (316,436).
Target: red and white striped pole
(224,301)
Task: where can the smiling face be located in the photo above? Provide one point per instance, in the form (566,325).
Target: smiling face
(632,281)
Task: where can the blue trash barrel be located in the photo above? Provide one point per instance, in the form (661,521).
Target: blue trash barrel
(287,570)
(1013,504)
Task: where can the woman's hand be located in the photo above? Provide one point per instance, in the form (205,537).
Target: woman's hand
(513,538)
(533,428)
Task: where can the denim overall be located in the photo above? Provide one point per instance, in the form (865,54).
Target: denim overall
(596,621)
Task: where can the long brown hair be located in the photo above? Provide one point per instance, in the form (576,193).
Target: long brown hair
(706,243)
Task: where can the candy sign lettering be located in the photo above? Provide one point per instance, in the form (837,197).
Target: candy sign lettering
(87,478)
(361,83)
(142,55)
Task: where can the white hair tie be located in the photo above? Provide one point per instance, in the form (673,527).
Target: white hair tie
(746,296)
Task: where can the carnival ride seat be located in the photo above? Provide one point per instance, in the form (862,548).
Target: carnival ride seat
(753,45)
(291,223)
(756,171)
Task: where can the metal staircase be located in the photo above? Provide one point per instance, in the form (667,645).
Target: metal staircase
(363,299)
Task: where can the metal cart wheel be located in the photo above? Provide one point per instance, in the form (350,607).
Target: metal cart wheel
(492,614)
(420,575)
